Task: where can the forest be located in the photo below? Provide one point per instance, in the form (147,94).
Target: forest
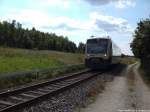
(13,35)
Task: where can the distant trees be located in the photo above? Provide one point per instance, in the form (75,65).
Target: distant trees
(81,47)
(141,43)
(13,35)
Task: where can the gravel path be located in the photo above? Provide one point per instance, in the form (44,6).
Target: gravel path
(112,99)
(126,93)
(142,93)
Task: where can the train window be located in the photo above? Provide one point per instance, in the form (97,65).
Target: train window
(97,46)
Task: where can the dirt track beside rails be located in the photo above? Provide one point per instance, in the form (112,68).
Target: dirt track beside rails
(126,93)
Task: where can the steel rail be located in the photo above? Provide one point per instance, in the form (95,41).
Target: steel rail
(55,86)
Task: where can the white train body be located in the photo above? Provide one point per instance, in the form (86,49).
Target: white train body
(101,52)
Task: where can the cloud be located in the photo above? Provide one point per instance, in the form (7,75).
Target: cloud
(100,2)
(28,17)
(56,3)
(62,26)
(39,19)
(70,24)
(110,23)
(95,23)
(63,3)
(117,3)
(124,3)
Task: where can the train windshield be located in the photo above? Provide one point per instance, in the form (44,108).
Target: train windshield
(97,46)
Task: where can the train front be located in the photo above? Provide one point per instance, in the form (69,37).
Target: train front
(98,53)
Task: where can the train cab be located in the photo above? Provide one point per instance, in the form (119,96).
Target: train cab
(99,52)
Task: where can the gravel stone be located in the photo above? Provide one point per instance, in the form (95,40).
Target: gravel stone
(71,99)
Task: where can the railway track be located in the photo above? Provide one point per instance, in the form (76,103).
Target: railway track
(13,100)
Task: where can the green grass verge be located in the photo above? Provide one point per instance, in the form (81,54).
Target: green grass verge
(129,60)
(14,59)
(8,82)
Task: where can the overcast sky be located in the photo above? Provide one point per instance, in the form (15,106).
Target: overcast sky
(79,19)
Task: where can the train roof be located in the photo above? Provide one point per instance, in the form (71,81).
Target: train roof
(99,38)
(107,38)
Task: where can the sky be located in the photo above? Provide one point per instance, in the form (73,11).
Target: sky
(80,19)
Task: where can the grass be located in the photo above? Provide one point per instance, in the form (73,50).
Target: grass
(129,60)
(8,82)
(14,59)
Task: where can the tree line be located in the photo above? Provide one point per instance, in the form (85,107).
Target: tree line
(141,44)
(13,35)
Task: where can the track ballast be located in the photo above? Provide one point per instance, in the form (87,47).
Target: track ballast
(13,100)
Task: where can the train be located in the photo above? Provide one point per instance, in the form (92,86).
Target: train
(101,52)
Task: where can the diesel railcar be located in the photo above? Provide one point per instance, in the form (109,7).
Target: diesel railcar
(101,52)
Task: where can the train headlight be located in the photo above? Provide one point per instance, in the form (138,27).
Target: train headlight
(88,55)
(105,54)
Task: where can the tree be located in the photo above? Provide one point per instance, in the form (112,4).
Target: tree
(81,47)
(13,35)
(140,44)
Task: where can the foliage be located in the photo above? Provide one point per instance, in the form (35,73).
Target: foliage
(13,35)
(140,45)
